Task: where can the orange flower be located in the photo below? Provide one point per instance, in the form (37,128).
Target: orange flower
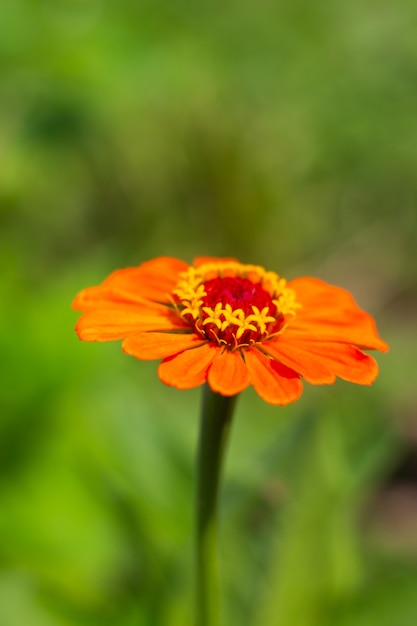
(232,325)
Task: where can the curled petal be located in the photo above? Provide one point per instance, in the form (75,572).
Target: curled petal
(295,355)
(274,382)
(330,313)
(188,369)
(228,373)
(320,362)
(151,345)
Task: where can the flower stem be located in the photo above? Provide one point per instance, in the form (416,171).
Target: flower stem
(216,416)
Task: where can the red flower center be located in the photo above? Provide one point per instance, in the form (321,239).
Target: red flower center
(233,304)
(237,312)
(240,293)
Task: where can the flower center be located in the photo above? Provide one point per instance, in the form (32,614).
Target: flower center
(232,304)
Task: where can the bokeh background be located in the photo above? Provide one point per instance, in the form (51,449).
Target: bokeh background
(285,134)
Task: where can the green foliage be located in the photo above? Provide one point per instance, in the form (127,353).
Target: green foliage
(281,133)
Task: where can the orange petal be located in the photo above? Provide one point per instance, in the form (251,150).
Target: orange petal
(295,354)
(345,361)
(151,345)
(93,298)
(117,323)
(311,359)
(188,369)
(228,373)
(330,313)
(158,277)
(274,382)
(153,280)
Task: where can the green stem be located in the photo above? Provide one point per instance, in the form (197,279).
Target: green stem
(216,416)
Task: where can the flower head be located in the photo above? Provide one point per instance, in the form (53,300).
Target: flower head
(232,325)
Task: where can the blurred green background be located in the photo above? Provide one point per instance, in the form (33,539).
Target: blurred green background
(282,133)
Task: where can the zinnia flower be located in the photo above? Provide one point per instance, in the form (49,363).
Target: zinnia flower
(232,325)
